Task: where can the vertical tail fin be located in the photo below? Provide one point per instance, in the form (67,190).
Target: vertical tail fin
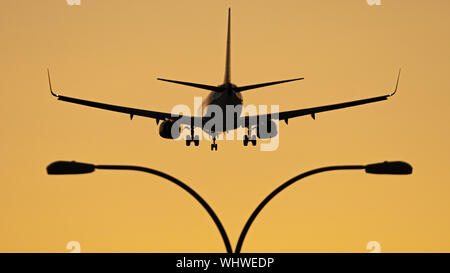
(227,62)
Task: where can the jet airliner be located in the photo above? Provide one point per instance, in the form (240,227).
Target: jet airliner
(223,95)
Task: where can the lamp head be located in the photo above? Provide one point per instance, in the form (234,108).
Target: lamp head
(69,167)
(393,167)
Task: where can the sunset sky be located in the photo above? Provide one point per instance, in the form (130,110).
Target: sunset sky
(113,50)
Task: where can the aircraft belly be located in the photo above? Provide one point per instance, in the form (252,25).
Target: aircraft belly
(222,100)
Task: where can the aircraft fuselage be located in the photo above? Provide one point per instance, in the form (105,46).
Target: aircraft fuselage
(228,96)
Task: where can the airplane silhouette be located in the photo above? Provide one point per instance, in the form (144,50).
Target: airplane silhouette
(226,94)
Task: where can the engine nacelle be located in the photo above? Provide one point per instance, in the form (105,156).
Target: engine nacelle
(267,130)
(165,130)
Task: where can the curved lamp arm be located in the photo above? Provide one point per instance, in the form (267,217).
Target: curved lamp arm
(72,167)
(184,187)
(278,190)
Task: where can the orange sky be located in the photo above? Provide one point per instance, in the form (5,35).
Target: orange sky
(112,51)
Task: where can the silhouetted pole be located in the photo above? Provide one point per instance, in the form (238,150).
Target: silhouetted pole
(378,168)
(64,167)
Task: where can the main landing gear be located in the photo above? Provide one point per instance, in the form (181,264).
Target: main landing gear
(248,139)
(192,138)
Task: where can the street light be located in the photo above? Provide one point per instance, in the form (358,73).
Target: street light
(72,167)
(396,168)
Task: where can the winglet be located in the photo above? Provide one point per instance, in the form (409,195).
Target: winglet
(396,85)
(50,84)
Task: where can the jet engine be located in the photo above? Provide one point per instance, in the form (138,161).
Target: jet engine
(165,130)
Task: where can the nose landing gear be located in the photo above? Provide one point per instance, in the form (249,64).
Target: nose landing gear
(214,145)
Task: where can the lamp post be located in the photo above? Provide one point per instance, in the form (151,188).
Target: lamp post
(72,167)
(395,168)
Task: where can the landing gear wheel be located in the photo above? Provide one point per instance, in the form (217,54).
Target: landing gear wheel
(196,140)
(188,140)
(253,141)
(248,139)
(245,140)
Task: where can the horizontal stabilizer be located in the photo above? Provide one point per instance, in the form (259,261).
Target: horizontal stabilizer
(259,85)
(196,85)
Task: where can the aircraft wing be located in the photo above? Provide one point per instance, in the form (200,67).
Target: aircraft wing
(314,110)
(116,108)
(186,120)
(127,110)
